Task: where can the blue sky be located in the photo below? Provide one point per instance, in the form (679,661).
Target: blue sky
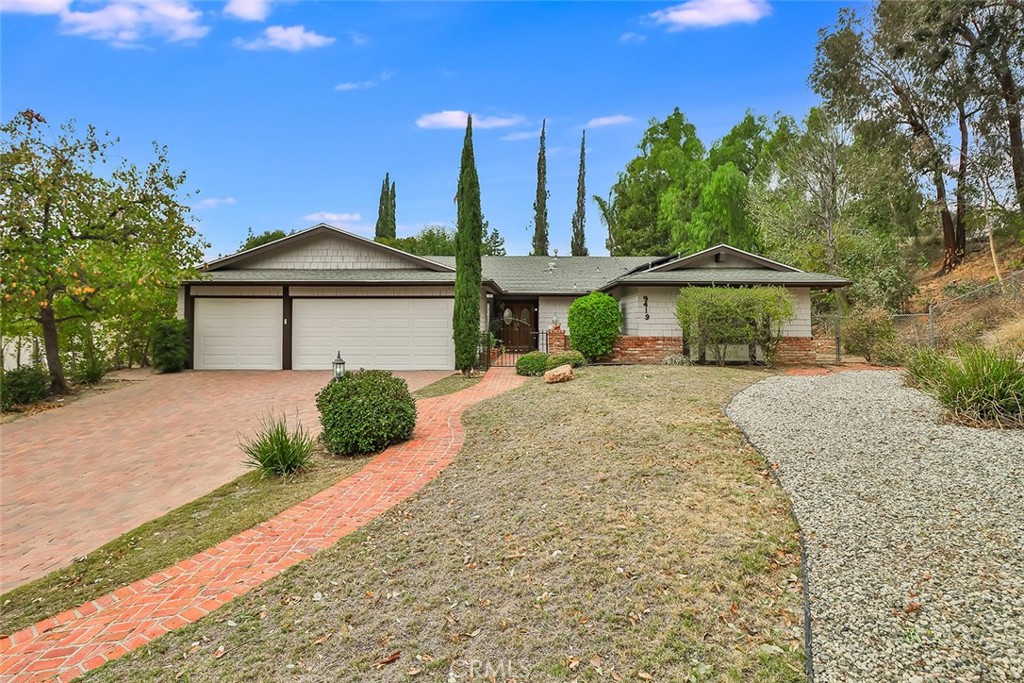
(287,113)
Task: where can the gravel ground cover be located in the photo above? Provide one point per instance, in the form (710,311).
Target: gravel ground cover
(914,529)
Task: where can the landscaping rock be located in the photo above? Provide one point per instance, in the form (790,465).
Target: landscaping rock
(912,527)
(563,373)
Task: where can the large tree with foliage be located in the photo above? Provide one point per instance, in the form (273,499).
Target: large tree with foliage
(439,240)
(540,204)
(720,216)
(579,217)
(468,269)
(78,244)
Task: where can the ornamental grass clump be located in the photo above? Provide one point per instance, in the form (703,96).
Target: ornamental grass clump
(276,450)
(978,386)
(365,412)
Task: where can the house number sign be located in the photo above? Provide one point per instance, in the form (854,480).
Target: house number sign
(647,316)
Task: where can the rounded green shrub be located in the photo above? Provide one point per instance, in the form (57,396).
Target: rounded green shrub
(365,412)
(532,364)
(594,322)
(573,358)
(169,339)
(24,385)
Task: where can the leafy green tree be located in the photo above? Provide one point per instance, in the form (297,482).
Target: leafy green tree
(79,245)
(743,146)
(579,217)
(253,240)
(432,240)
(494,243)
(540,204)
(468,269)
(721,213)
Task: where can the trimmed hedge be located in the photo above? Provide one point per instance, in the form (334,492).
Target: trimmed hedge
(532,364)
(716,318)
(365,412)
(169,339)
(24,385)
(573,358)
(594,323)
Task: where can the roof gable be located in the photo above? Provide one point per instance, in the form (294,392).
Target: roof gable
(721,257)
(328,248)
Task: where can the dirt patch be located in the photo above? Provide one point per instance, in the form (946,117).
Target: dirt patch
(616,527)
(111,382)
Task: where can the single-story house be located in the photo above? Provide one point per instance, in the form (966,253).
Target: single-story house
(296,302)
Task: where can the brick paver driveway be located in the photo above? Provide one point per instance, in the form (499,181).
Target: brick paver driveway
(75,478)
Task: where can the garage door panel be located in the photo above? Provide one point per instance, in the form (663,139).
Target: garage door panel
(393,334)
(237,334)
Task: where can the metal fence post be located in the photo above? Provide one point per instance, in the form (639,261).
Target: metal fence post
(931,325)
(839,340)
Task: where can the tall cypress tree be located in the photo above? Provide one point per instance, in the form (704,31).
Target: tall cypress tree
(381,228)
(579,217)
(540,205)
(392,219)
(468,270)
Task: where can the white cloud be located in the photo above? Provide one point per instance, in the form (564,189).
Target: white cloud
(522,135)
(123,23)
(328,217)
(711,13)
(248,10)
(359,38)
(290,38)
(614,120)
(348,86)
(631,37)
(214,202)
(457,119)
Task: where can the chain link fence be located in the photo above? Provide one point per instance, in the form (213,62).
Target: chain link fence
(988,313)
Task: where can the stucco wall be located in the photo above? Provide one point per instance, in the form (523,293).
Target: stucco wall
(329,252)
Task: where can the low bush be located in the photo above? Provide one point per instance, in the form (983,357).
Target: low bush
(866,331)
(717,318)
(275,450)
(365,412)
(595,320)
(532,364)
(573,358)
(678,360)
(22,386)
(89,370)
(169,339)
(978,386)
(891,353)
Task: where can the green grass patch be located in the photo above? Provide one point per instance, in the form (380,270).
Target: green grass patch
(181,533)
(446,385)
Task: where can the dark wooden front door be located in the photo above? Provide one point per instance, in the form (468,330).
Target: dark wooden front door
(518,326)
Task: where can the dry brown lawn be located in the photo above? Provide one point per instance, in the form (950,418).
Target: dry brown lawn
(617,527)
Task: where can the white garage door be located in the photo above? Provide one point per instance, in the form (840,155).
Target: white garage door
(389,334)
(238,334)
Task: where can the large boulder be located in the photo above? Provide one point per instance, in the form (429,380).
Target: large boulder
(563,373)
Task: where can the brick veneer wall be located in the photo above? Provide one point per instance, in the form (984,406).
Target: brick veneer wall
(797,351)
(630,349)
(557,341)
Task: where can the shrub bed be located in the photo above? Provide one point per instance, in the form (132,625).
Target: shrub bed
(169,339)
(595,320)
(365,412)
(24,385)
(573,358)
(532,364)
(978,386)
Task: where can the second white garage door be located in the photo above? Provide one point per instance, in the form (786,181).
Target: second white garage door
(390,334)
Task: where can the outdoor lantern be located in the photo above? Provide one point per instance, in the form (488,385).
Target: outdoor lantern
(339,366)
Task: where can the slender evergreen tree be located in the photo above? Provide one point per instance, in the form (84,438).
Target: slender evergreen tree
(392,217)
(579,217)
(468,271)
(540,205)
(381,228)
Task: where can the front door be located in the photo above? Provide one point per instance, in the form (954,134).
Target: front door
(518,326)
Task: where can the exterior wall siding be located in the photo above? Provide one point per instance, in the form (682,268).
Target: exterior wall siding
(234,290)
(329,252)
(552,309)
(371,291)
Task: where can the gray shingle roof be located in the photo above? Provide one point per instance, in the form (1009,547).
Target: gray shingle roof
(733,276)
(346,276)
(567,275)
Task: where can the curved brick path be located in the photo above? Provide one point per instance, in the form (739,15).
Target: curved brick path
(109,627)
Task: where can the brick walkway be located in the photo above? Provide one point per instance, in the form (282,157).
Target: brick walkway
(82,639)
(77,477)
